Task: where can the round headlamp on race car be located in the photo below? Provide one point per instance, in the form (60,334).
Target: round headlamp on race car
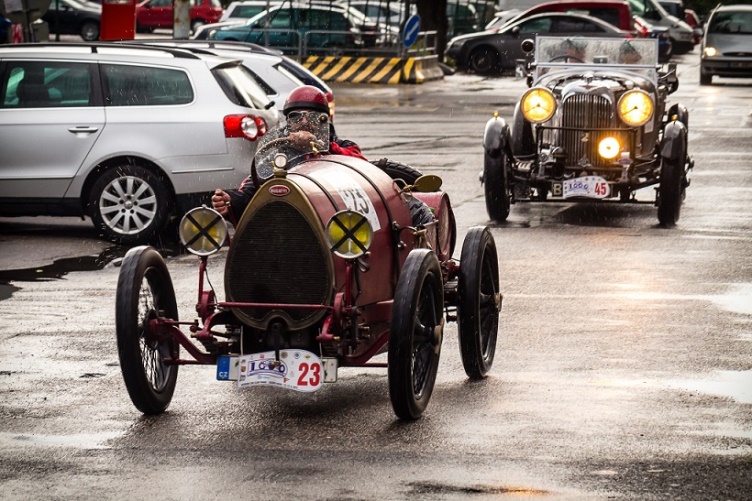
(349,234)
(609,148)
(202,231)
(635,107)
(538,105)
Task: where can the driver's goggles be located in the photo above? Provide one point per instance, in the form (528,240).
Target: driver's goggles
(310,116)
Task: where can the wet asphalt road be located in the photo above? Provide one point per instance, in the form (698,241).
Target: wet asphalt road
(623,368)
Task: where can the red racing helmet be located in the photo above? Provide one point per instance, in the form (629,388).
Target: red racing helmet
(306,97)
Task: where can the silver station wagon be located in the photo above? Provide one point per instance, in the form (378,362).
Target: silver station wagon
(130,136)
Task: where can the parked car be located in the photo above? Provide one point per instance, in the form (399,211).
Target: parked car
(660,33)
(727,44)
(277,74)
(246,9)
(154,14)
(132,134)
(614,12)
(594,126)
(71,17)
(498,52)
(463,18)
(682,36)
(290,27)
(693,20)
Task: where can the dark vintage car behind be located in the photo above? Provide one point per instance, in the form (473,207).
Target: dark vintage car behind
(595,125)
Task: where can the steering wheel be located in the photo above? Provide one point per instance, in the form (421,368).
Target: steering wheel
(568,58)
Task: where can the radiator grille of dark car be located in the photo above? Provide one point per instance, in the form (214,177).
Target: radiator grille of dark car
(277,258)
(583,113)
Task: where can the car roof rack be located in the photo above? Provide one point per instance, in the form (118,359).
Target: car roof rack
(211,44)
(174,51)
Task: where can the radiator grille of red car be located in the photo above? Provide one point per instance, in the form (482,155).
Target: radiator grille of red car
(581,114)
(277,258)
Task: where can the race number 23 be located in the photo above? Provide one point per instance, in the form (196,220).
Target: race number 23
(310,375)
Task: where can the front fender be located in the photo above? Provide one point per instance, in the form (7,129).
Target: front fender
(496,135)
(674,143)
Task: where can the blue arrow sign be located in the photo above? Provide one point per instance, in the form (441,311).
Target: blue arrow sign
(411,30)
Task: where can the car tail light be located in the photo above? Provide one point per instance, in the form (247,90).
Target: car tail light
(641,28)
(246,126)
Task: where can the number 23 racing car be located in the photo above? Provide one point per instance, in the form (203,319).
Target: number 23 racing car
(593,126)
(327,268)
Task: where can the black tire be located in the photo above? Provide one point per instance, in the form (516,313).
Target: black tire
(398,170)
(705,79)
(496,186)
(483,61)
(145,291)
(129,204)
(415,338)
(90,31)
(670,192)
(479,302)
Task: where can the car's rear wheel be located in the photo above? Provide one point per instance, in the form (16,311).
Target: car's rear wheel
(483,61)
(145,292)
(130,204)
(90,31)
(398,170)
(416,334)
(496,186)
(479,302)
(670,192)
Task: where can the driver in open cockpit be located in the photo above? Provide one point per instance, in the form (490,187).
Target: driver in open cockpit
(304,105)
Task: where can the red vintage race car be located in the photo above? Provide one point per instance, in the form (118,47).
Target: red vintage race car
(327,268)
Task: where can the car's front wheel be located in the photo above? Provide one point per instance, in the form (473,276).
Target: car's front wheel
(706,78)
(129,204)
(90,31)
(496,186)
(483,61)
(670,192)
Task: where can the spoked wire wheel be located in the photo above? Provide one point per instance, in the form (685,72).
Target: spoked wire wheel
(144,293)
(479,302)
(416,334)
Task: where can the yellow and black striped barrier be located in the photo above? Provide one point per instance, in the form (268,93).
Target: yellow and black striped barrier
(383,70)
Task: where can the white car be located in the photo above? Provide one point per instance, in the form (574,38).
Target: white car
(129,135)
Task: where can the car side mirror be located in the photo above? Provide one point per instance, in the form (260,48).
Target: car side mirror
(427,183)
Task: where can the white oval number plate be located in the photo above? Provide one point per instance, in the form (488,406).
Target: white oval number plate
(297,370)
(588,186)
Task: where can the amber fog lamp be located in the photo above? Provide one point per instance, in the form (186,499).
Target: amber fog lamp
(202,231)
(609,148)
(538,105)
(635,107)
(349,234)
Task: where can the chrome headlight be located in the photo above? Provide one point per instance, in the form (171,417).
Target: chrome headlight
(609,148)
(635,107)
(538,105)
(710,51)
(202,231)
(349,234)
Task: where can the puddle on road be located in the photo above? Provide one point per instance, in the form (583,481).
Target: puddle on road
(733,384)
(61,267)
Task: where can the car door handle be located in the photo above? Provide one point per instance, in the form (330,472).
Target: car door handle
(83,129)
